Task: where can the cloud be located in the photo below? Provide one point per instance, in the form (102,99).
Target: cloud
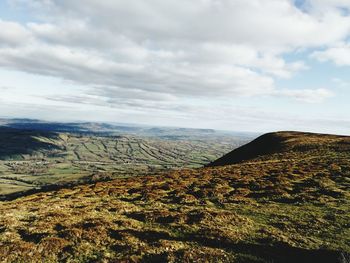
(307,95)
(341,83)
(158,50)
(339,54)
(322,6)
(214,20)
(13,34)
(3,88)
(220,116)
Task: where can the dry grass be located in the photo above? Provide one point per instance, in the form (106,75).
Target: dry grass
(273,209)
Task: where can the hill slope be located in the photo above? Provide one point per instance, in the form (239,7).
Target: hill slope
(285,145)
(265,210)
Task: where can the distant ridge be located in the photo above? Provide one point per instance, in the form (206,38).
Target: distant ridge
(281,142)
(118,128)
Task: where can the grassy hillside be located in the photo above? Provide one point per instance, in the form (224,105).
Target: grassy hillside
(287,145)
(32,159)
(288,205)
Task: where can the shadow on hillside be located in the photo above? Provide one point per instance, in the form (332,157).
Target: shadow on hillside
(281,253)
(265,144)
(14,143)
(269,252)
(275,252)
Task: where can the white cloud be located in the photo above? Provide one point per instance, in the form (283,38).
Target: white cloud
(339,54)
(322,6)
(13,34)
(160,50)
(276,23)
(307,95)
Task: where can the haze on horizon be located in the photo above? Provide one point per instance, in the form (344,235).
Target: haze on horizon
(259,65)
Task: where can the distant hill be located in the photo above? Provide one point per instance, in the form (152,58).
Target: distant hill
(14,143)
(283,143)
(170,133)
(287,201)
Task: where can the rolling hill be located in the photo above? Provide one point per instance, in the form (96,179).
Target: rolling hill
(287,203)
(32,159)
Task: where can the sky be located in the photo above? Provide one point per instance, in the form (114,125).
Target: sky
(257,65)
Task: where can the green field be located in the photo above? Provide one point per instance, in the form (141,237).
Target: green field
(33,159)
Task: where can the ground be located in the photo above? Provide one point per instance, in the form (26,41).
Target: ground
(290,205)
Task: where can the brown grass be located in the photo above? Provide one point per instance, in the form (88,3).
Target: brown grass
(273,209)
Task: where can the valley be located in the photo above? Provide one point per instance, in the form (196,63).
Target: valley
(32,158)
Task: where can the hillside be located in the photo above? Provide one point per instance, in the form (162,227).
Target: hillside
(289,204)
(285,145)
(31,159)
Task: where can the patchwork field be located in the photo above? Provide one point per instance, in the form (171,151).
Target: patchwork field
(35,159)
